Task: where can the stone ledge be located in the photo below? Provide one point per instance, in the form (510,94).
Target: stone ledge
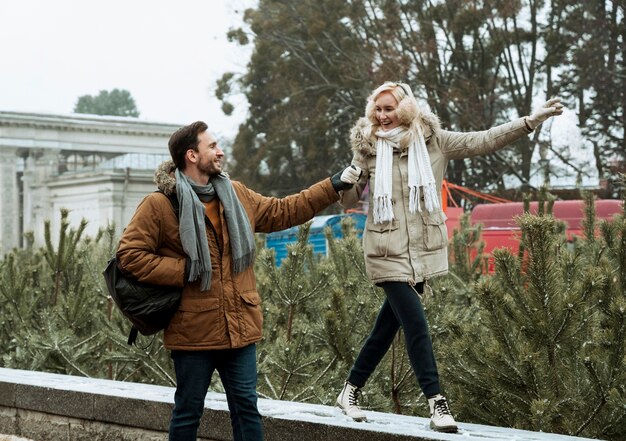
(12,438)
(79,408)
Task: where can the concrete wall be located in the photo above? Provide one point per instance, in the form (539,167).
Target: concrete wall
(52,407)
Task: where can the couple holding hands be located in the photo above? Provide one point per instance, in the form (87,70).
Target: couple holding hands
(208,250)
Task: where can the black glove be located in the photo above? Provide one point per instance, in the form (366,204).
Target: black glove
(346,178)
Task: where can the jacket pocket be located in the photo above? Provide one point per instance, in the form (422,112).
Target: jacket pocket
(251,297)
(384,239)
(435,231)
(198,321)
(251,315)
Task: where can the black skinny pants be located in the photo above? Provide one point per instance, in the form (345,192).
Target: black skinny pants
(402,308)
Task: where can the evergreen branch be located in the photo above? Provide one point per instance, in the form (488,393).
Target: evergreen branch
(488,297)
(533,377)
(71,363)
(133,372)
(595,380)
(160,372)
(407,374)
(601,401)
(562,327)
(270,385)
(319,377)
(90,338)
(156,367)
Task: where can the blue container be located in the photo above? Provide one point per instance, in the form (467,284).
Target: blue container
(280,239)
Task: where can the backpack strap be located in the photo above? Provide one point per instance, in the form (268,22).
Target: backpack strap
(132,336)
(173,198)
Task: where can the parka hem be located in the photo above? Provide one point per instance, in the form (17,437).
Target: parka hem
(205,347)
(377,281)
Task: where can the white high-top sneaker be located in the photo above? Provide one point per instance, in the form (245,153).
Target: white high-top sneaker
(441,419)
(348,402)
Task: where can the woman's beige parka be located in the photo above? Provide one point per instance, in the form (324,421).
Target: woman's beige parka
(413,247)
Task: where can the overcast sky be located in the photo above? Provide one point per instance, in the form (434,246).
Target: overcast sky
(167,54)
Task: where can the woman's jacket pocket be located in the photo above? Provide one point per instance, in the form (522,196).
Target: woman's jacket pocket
(435,232)
(384,239)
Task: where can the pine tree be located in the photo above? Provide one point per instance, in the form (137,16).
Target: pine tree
(551,326)
(61,333)
(58,317)
(540,345)
(287,358)
(467,261)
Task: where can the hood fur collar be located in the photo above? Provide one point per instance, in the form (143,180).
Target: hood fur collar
(362,134)
(164,177)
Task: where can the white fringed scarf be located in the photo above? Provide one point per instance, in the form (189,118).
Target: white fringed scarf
(420,174)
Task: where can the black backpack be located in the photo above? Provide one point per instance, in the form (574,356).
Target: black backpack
(148,307)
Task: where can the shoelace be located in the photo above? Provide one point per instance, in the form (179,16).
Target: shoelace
(353,397)
(441,407)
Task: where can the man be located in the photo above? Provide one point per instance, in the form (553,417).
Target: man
(209,251)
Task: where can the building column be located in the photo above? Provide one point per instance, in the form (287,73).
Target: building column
(9,203)
(40,167)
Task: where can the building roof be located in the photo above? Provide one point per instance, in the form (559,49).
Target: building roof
(87,123)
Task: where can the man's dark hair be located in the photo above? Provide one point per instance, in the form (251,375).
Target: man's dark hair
(184,139)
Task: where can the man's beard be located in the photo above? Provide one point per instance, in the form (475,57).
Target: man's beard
(211,170)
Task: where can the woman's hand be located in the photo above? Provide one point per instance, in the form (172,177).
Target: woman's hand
(346,178)
(552,107)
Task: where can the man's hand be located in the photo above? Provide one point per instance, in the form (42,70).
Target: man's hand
(345,179)
(552,107)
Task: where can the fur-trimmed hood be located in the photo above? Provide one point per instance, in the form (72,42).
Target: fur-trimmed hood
(363,140)
(164,177)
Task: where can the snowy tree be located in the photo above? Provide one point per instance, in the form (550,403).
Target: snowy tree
(551,325)
(58,317)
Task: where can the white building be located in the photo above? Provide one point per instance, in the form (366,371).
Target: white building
(97,167)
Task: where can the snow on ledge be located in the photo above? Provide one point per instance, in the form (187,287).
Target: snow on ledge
(287,410)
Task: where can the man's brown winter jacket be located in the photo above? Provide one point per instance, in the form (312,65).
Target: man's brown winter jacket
(228,315)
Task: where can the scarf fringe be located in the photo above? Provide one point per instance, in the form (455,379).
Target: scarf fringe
(414,199)
(243,262)
(432,200)
(383,210)
(195,271)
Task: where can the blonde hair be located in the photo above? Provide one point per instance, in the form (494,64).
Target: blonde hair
(407,111)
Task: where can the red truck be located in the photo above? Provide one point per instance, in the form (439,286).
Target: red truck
(500,230)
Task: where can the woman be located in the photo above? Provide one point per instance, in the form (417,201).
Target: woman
(403,153)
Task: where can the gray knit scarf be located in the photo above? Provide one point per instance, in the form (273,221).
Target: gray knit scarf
(192,228)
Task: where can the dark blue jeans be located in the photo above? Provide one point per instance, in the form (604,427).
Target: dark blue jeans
(237,369)
(402,308)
